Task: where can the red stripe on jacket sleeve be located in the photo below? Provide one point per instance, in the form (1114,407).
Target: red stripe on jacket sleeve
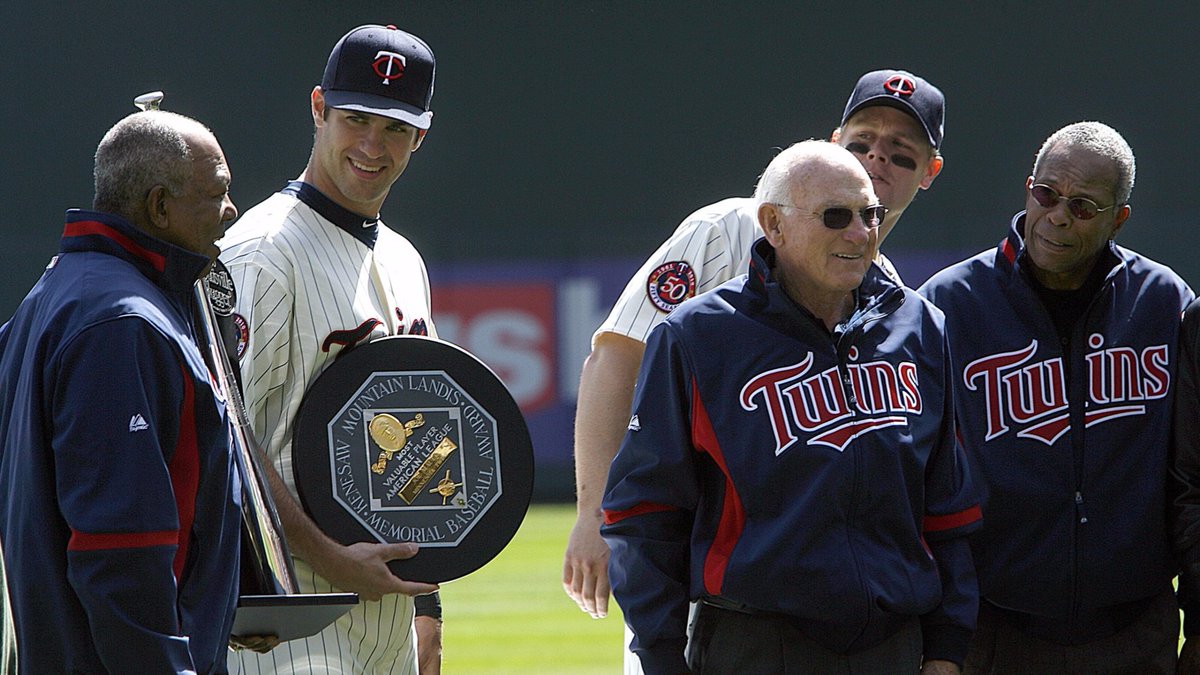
(84,541)
(611,517)
(733,515)
(951,520)
(86,227)
(185,470)
(185,477)
(1009,252)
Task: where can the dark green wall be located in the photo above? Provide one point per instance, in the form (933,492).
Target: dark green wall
(578,129)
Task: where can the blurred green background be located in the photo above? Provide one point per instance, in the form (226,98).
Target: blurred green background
(583,128)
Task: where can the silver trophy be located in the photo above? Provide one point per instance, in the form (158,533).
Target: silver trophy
(269,600)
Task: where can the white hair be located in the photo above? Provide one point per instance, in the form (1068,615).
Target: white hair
(788,169)
(139,152)
(1101,139)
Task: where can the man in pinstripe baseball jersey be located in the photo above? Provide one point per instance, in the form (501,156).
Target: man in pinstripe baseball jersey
(893,124)
(317,273)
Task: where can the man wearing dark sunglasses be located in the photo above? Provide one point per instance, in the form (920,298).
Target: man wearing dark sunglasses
(1064,350)
(893,124)
(791,460)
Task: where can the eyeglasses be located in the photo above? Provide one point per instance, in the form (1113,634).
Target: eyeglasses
(1080,207)
(839,217)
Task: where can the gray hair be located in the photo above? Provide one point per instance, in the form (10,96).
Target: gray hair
(777,180)
(1102,140)
(142,151)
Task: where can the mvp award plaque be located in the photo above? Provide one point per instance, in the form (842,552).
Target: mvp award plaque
(411,439)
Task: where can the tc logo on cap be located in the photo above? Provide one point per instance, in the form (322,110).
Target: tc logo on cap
(899,85)
(389,65)
(381,70)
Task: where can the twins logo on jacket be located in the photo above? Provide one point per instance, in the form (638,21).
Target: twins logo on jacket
(1028,396)
(830,407)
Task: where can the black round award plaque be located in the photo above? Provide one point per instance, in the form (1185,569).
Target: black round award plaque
(411,438)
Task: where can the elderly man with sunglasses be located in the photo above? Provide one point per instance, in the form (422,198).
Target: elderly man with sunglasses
(893,122)
(791,461)
(1064,347)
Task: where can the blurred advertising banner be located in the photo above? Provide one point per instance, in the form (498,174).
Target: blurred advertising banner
(532,323)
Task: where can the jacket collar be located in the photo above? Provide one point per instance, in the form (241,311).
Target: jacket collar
(363,229)
(164,263)
(876,296)
(1010,254)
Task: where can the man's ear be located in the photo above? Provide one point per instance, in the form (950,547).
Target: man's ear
(1120,217)
(156,207)
(770,223)
(420,138)
(317,103)
(932,170)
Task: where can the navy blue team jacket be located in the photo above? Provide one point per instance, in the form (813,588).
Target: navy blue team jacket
(1069,448)
(774,464)
(119,497)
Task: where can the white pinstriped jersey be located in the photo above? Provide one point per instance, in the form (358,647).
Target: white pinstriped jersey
(710,247)
(307,287)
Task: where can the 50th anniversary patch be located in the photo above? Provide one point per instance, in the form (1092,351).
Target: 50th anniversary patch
(434,452)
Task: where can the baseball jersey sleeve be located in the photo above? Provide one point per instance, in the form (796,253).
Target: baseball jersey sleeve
(710,247)
(264,303)
(126,473)
(648,509)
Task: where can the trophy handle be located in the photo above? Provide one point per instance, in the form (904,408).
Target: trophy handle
(266,563)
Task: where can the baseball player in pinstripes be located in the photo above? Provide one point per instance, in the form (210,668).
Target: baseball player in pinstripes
(893,124)
(317,273)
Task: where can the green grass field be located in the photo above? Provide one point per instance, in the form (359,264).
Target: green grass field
(512,616)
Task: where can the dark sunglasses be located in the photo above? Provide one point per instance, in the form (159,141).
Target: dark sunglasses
(1080,207)
(839,217)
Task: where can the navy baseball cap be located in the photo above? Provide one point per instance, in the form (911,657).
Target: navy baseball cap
(902,90)
(383,71)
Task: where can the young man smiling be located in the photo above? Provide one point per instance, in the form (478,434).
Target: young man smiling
(313,264)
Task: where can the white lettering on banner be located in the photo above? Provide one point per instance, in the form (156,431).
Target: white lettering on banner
(535,333)
(507,340)
(449,325)
(580,311)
